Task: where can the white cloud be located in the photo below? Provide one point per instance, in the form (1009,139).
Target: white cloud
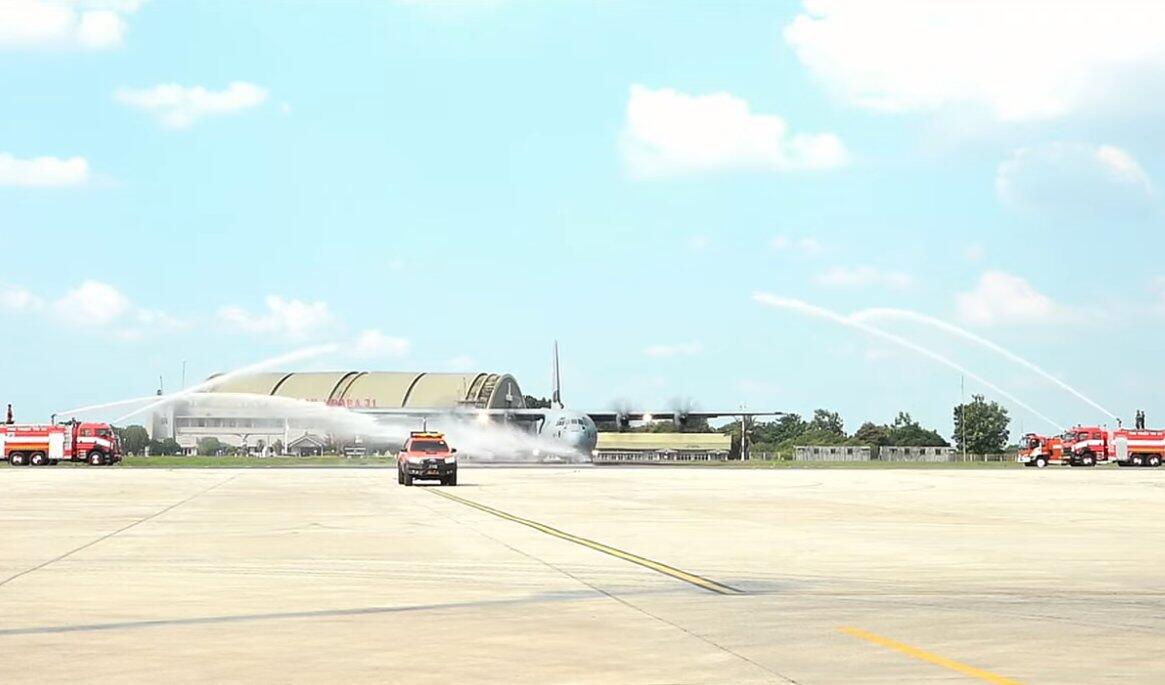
(15,298)
(179,106)
(374,343)
(287,318)
(862,276)
(1072,177)
(156,318)
(687,349)
(43,172)
(668,132)
(806,245)
(1019,60)
(1002,298)
(87,24)
(92,303)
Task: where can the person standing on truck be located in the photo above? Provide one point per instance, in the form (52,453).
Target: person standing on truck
(10,421)
(1140,420)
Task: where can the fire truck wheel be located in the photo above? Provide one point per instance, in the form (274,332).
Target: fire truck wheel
(18,459)
(1041,462)
(408,479)
(1153,461)
(1087,460)
(400,476)
(96,459)
(38,459)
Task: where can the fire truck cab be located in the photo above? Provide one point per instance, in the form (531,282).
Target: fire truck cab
(1040,450)
(426,456)
(48,444)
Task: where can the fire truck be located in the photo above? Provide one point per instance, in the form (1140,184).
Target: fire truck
(1123,446)
(1041,450)
(48,444)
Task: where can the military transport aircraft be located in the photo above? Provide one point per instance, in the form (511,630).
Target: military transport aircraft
(573,430)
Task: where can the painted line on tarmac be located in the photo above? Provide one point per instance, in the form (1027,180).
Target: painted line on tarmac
(119,531)
(971,671)
(698,581)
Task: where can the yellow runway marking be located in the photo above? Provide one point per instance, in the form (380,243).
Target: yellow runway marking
(985,676)
(710,585)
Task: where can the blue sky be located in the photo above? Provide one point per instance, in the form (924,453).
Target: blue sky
(441,185)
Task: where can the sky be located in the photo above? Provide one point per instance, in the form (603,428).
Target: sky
(438,185)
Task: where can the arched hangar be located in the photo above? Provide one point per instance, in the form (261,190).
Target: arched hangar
(253,426)
(386,390)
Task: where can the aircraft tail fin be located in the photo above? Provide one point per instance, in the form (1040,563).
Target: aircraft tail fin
(556,382)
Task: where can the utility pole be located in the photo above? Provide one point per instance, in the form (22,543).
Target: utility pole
(743,435)
(963,414)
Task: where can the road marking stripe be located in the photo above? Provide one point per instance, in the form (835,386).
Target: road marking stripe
(985,676)
(710,585)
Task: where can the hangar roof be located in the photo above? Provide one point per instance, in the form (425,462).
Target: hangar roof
(315,387)
(385,389)
(254,383)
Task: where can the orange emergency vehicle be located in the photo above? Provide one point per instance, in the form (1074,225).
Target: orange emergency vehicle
(426,456)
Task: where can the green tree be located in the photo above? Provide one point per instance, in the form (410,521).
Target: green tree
(169,446)
(983,424)
(537,402)
(765,436)
(134,439)
(873,435)
(785,428)
(277,447)
(906,432)
(827,422)
(209,447)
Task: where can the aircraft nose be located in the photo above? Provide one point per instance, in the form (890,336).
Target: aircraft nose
(576,438)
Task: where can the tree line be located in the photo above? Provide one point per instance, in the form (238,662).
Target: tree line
(980,425)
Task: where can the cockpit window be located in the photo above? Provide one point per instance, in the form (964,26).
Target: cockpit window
(561,421)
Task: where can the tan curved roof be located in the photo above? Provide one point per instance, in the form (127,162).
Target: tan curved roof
(441,389)
(254,383)
(385,389)
(314,387)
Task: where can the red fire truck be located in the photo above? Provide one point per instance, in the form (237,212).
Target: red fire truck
(47,444)
(1123,446)
(1041,450)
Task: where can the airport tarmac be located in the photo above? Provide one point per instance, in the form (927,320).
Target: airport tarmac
(583,575)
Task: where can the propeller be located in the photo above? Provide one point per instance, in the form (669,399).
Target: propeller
(681,408)
(622,409)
